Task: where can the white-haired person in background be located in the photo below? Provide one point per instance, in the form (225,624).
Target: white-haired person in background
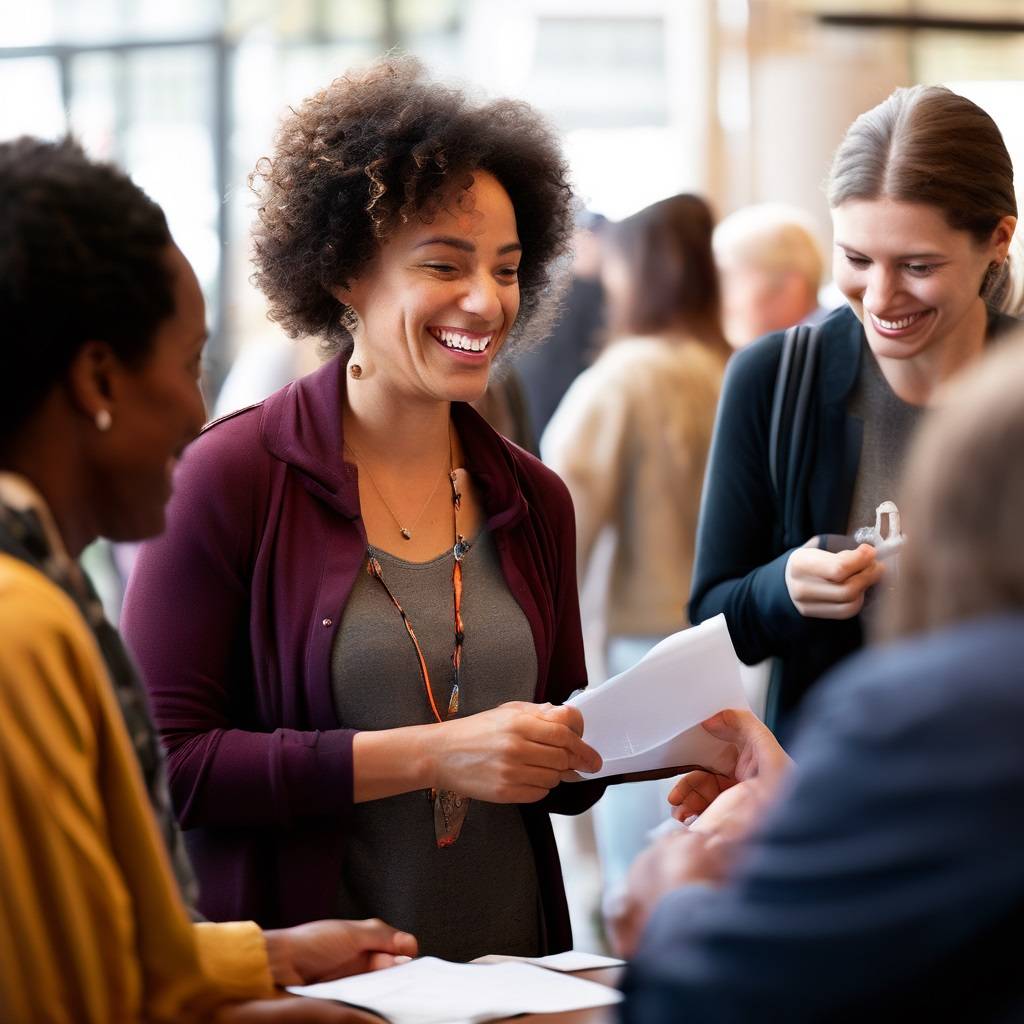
(770,266)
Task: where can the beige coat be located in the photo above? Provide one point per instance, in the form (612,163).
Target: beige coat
(630,439)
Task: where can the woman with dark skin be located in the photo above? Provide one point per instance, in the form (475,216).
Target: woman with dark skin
(358,708)
(105,327)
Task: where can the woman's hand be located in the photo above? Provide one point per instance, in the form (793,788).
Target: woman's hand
(754,763)
(827,585)
(513,754)
(325,950)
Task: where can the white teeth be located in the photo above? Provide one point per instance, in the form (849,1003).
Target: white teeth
(896,325)
(453,339)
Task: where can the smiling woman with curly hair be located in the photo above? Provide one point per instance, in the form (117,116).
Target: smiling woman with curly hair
(368,154)
(364,608)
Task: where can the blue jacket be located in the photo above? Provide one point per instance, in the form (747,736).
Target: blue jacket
(743,545)
(889,883)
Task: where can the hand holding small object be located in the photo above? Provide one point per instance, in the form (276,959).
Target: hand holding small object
(831,585)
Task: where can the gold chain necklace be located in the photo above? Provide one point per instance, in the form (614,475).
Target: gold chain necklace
(405,531)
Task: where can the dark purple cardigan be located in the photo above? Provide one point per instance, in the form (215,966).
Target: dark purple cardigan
(231,614)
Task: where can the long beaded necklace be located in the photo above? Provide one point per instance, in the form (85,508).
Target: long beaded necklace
(450,808)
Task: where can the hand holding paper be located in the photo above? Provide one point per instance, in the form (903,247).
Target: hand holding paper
(649,716)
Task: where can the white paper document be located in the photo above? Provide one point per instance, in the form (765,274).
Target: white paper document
(432,991)
(649,716)
(568,961)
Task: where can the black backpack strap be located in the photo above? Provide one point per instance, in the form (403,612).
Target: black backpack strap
(791,402)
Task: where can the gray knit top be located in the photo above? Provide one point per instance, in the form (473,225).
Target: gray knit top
(479,895)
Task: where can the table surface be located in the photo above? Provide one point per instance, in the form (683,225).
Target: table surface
(596,1015)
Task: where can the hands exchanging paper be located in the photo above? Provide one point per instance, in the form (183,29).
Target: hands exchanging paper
(514,753)
(730,805)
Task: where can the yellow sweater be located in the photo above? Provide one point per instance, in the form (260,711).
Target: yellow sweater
(91,924)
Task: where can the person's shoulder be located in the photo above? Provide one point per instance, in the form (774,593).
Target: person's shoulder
(37,619)
(754,368)
(536,479)
(952,686)
(229,450)
(27,597)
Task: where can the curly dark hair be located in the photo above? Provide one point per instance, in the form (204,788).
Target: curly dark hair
(376,148)
(82,257)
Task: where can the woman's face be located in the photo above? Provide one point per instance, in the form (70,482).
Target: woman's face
(156,408)
(911,279)
(439,299)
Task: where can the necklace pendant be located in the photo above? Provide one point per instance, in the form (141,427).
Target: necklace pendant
(405,533)
(453,702)
(450,811)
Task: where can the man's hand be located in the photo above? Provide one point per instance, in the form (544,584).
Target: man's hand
(674,860)
(324,950)
(753,754)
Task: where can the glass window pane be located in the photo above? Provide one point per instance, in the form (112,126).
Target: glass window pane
(39,109)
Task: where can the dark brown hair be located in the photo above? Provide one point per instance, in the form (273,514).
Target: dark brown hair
(376,148)
(666,250)
(928,145)
(962,496)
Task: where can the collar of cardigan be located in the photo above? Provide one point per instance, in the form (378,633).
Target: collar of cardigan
(301,425)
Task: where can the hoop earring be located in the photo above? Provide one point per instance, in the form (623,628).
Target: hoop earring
(103,420)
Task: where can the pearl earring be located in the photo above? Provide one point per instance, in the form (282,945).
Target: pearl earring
(104,421)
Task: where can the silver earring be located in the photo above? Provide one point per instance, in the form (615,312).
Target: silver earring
(104,421)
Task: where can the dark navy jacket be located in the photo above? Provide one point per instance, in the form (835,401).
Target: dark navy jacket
(741,549)
(889,883)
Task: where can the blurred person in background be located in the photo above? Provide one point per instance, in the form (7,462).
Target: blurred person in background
(365,598)
(923,210)
(630,440)
(547,370)
(104,327)
(887,879)
(770,267)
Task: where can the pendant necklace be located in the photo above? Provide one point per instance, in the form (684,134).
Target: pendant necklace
(405,531)
(450,808)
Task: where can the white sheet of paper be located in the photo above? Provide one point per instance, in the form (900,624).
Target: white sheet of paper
(649,716)
(432,991)
(569,961)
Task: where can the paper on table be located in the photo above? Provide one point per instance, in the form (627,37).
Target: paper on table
(649,716)
(569,961)
(432,991)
